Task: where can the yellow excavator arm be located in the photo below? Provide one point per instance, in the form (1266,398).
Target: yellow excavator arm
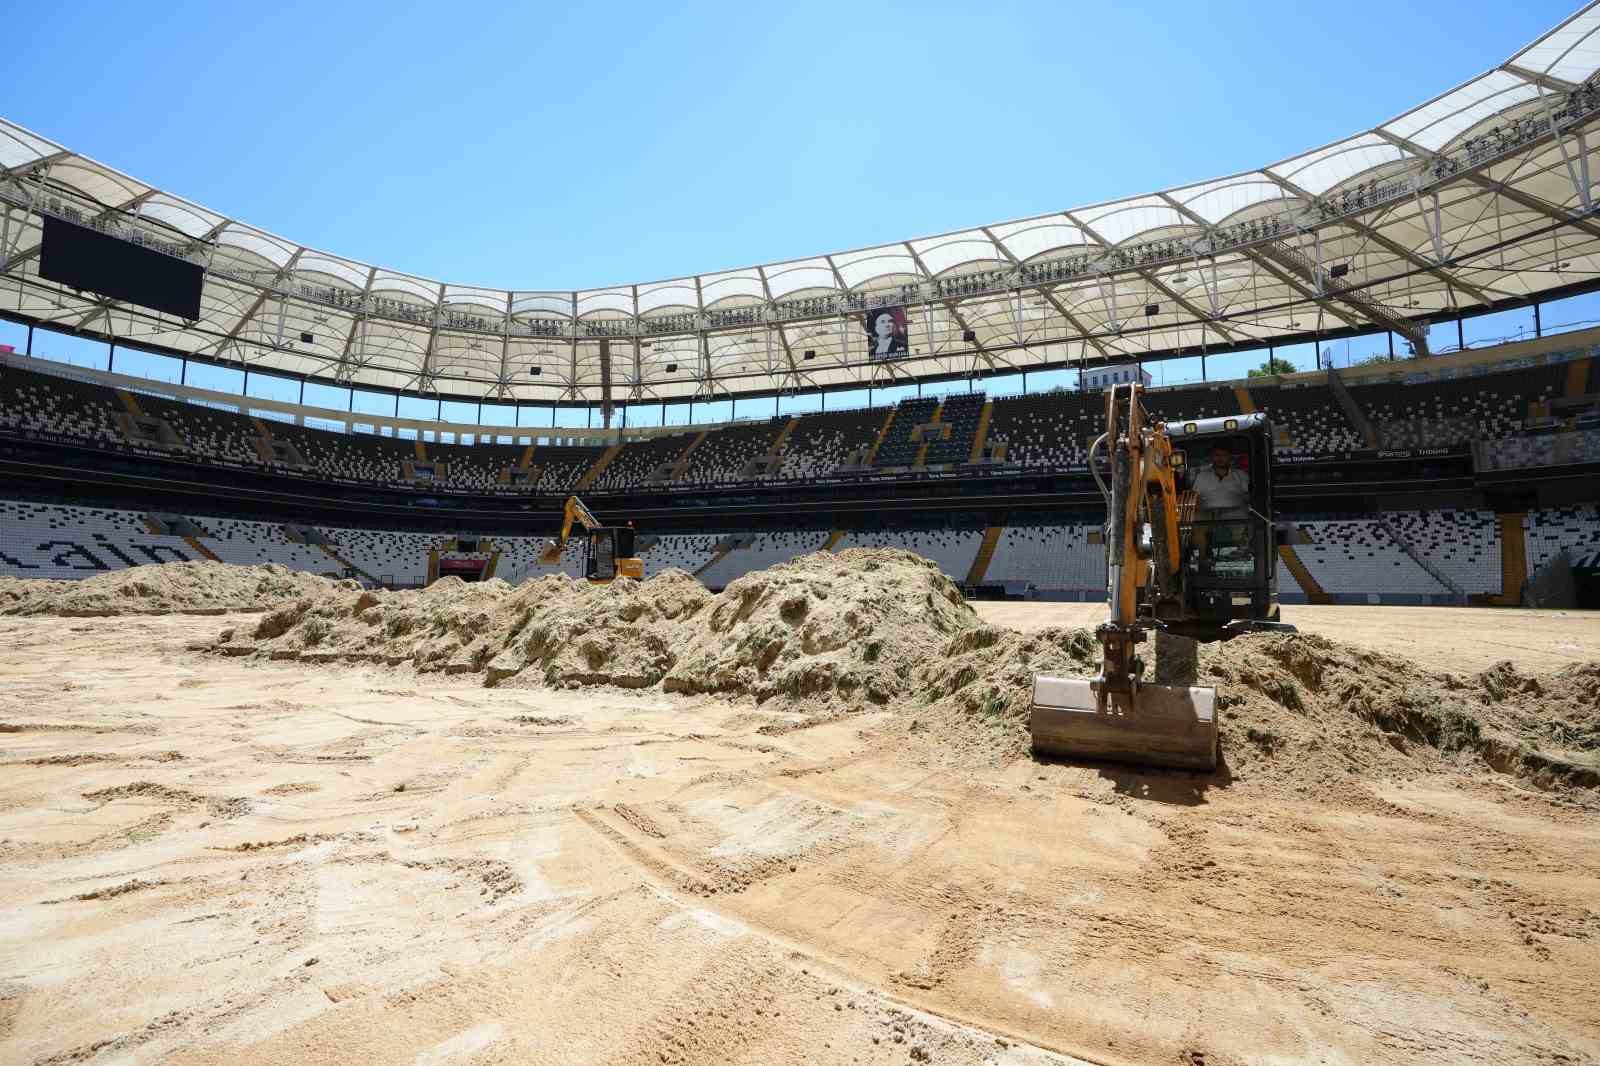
(1142,543)
(574,511)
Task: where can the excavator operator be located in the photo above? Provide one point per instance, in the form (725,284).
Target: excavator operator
(1222,496)
(1221,491)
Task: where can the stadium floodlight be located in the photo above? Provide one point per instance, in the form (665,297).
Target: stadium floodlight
(1339,270)
(811,353)
(1152,310)
(535,371)
(672,368)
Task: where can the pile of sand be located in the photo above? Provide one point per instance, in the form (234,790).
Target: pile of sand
(1303,711)
(551,630)
(200,587)
(885,627)
(857,625)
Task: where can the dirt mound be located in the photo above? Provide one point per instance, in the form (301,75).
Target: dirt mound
(1303,712)
(860,623)
(979,687)
(552,630)
(201,587)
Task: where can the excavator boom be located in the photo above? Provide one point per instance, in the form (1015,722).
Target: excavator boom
(575,510)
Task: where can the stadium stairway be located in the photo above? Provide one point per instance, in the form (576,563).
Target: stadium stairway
(681,464)
(782,439)
(980,562)
(593,473)
(921,461)
(1513,561)
(1577,382)
(981,436)
(724,546)
(1422,560)
(1314,592)
(883,435)
(201,550)
(346,564)
(1352,410)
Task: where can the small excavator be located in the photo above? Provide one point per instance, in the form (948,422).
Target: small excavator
(607,550)
(1187,575)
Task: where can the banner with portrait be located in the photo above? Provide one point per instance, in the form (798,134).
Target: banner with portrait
(887,333)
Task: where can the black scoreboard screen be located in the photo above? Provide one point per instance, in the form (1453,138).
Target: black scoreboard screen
(82,258)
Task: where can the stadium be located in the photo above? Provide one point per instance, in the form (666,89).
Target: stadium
(328,738)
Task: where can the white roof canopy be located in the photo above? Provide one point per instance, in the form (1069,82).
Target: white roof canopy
(1470,200)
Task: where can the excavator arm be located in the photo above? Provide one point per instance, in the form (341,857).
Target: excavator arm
(574,511)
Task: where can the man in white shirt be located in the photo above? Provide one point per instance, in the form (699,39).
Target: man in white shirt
(1221,491)
(1222,494)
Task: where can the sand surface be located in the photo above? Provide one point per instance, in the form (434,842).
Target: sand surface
(207,859)
(1447,638)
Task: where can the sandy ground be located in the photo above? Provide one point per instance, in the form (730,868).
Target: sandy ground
(208,860)
(1466,639)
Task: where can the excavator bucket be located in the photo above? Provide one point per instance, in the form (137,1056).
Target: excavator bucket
(551,555)
(1162,725)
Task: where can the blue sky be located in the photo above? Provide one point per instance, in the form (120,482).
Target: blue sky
(569,146)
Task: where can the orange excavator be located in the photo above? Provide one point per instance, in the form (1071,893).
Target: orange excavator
(1196,575)
(607,550)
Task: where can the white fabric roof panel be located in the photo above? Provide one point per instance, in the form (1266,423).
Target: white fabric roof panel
(377,327)
(1319,171)
(1570,52)
(1217,201)
(1436,124)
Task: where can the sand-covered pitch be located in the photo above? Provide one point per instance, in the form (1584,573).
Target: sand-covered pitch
(792,822)
(199,587)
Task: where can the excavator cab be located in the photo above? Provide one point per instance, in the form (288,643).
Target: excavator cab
(1227,551)
(608,554)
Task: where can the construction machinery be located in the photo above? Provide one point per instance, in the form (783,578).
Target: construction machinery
(1184,572)
(607,550)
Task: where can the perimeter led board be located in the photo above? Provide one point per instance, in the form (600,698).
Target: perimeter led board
(81,258)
